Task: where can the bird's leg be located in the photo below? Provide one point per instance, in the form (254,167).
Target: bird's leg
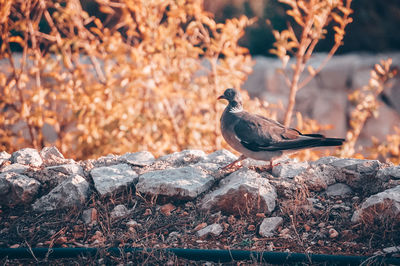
(241,158)
(271,165)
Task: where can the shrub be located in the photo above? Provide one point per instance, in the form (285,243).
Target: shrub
(144,78)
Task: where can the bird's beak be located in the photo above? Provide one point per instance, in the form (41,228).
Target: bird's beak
(221,97)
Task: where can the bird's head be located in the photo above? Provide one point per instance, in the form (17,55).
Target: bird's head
(234,98)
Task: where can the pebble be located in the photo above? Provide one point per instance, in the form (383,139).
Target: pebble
(333,233)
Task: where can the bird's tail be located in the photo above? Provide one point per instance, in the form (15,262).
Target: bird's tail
(326,141)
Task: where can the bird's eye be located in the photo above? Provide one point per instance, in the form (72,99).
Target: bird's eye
(229,93)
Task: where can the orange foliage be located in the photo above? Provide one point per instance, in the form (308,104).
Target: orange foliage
(145,78)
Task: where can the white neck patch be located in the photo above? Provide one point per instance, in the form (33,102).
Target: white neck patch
(236,109)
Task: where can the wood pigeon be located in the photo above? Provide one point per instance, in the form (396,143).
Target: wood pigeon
(261,138)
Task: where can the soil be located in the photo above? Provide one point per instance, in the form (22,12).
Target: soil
(320,227)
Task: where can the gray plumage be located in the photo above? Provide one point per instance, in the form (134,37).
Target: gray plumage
(261,138)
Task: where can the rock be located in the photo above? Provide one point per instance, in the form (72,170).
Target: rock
(379,127)
(54,175)
(88,216)
(387,173)
(108,179)
(333,233)
(51,156)
(49,179)
(384,206)
(289,170)
(166,209)
(325,106)
(178,183)
(67,169)
(220,157)
(285,233)
(213,230)
(4,156)
(359,174)
(133,224)
(317,178)
(16,168)
(285,187)
(263,77)
(338,189)
(142,158)
(27,156)
(17,189)
(269,225)
(242,192)
(325,160)
(119,211)
(184,157)
(107,160)
(208,167)
(69,193)
(393,249)
(174,236)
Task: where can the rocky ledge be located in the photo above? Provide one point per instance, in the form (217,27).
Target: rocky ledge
(365,192)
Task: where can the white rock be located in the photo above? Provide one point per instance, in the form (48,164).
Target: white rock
(381,206)
(69,193)
(325,160)
(107,160)
(210,167)
(4,156)
(387,173)
(269,225)
(317,178)
(87,215)
(17,189)
(178,183)
(52,156)
(119,211)
(15,168)
(220,157)
(242,192)
(27,156)
(183,157)
(108,179)
(394,249)
(133,224)
(67,169)
(213,230)
(290,169)
(142,158)
(338,189)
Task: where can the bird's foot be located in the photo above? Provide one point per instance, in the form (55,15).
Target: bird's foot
(234,164)
(264,168)
(237,164)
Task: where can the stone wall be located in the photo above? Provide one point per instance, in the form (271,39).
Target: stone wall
(45,181)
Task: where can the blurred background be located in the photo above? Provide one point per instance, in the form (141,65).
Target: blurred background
(98,77)
(374,28)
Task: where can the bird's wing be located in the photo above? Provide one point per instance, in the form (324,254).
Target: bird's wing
(258,133)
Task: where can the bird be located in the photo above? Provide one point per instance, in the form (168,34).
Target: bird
(260,138)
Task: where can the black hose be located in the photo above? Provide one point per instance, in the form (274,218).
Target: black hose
(199,254)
